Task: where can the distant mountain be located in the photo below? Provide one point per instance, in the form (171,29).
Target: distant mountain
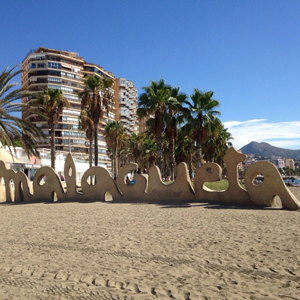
(267,150)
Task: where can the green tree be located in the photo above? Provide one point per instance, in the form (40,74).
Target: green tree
(202,111)
(131,150)
(86,123)
(153,104)
(174,117)
(52,102)
(223,142)
(139,148)
(185,149)
(217,141)
(96,98)
(114,132)
(148,151)
(13,129)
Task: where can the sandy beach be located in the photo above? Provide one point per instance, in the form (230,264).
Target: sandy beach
(138,251)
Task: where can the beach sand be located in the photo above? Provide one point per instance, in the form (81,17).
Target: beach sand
(138,251)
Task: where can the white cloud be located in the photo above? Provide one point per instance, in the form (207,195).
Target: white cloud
(281,134)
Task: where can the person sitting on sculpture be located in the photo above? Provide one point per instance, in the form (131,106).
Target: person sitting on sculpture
(129,182)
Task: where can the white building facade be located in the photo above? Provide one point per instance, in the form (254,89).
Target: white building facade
(126,104)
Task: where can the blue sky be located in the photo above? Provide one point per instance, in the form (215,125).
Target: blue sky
(246,51)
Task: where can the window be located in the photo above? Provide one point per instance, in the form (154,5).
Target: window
(55,87)
(53,65)
(63,88)
(72,97)
(75,70)
(54,79)
(73,134)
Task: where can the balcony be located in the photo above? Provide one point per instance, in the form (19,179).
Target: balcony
(37,58)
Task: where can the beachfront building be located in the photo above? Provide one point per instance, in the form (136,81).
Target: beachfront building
(55,69)
(66,71)
(17,160)
(290,163)
(279,163)
(126,104)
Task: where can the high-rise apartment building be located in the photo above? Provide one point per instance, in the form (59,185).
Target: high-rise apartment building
(66,71)
(126,104)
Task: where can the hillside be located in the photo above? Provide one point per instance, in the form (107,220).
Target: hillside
(267,150)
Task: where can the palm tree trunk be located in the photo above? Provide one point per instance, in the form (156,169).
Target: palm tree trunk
(211,154)
(199,142)
(198,154)
(52,145)
(191,164)
(96,143)
(164,166)
(172,159)
(91,151)
(115,163)
(159,158)
(116,158)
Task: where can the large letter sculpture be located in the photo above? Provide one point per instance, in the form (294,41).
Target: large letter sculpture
(96,184)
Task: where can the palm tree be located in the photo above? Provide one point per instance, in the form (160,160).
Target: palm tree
(13,128)
(97,98)
(114,132)
(202,111)
(125,153)
(185,149)
(223,143)
(209,142)
(52,103)
(148,151)
(173,118)
(153,105)
(139,148)
(131,149)
(86,124)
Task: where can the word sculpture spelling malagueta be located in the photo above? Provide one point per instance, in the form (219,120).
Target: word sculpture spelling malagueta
(97,185)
